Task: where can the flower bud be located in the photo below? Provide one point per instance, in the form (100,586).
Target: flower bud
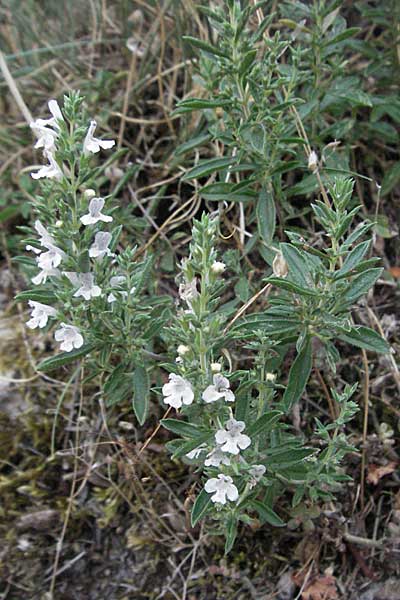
(279,265)
(59,224)
(182,350)
(313,161)
(89,193)
(218,267)
(216,367)
(270,377)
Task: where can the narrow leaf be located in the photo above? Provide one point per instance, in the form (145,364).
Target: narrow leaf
(291,287)
(200,507)
(65,358)
(141,392)
(204,46)
(361,284)
(43,296)
(364,337)
(207,167)
(266,216)
(298,376)
(298,266)
(182,428)
(231,533)
(266,513)
(265,423)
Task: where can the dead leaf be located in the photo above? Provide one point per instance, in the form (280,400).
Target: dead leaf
(395,272)
(321,588)
(376,472)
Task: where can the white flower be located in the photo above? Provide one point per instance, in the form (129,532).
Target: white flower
(178,391)
(42,128)
(216,457)
(40,314)
(42,276)
(188,291)
(46,137)
(116,282)
(69,336)
(222,488)
(270,377)
(218,267)
(193,454)
(92,144)
(232,439)
(51,171)
(30,248)
(94,215)
(55,118)
(100,248)
(50,259)
(46,240)
(216,367)
(85,281)
(256,472)
(313,161)
(220,389)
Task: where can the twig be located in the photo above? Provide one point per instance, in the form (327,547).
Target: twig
(14,90)
(365,426)
(70,499)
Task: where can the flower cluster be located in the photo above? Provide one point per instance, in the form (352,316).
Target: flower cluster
(51,255)
(228,439)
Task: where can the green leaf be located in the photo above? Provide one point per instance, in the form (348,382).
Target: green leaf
(8,213)
(191,144)
(298,376)
(391,179)
(38,295)
(297,265)
(204,46)
(266,216)
(288,458)
(197,103)
(192,444)
(221,191)
(344,35)
(207,167)
(291,287)
(200,507)
(361,284)
(182,428)
(118,385)
(298,472)
(266,513)
(141,392)
(265,423)
(353,258)
(364,337)
(65,358)
(243,398)
(231,533)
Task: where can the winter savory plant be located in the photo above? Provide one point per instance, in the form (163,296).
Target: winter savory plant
(90,293)
(236,417)
(235,377)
